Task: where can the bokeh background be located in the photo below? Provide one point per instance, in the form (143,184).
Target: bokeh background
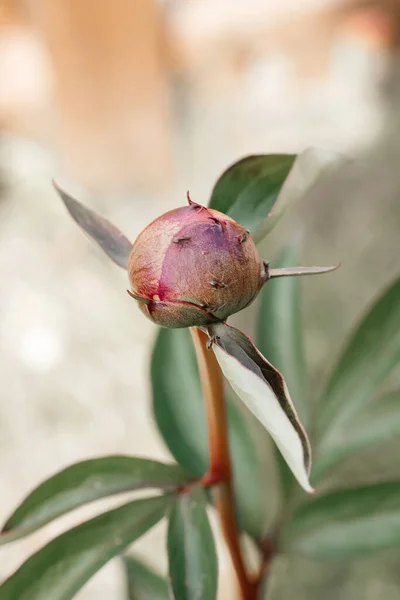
(130,103)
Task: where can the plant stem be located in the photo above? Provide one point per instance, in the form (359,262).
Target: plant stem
(220,471)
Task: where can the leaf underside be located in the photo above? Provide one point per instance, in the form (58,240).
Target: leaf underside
(104,233)
(280,337)
(264,391)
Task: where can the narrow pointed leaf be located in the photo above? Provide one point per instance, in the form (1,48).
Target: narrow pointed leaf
(263,389)
(372,352)
(143,583)
(192,557)
(180,416)
(347,523)
(378,423)
(298,271)
(104,233)
(85,482)
(62,567)
(280,337)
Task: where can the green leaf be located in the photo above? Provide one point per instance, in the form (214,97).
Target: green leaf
(180,416)
(251,191)
(62,567)
(280,339)
(280,332)
(143,582)
(373,351)
(104,233)
(263,389)
(347,523)
(378,423)
(248,189)
(191,551)
(85,482)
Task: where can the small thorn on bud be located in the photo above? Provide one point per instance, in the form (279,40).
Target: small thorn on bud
(178,240)
(243,237)
(218,284)
(212,340)
(193,204)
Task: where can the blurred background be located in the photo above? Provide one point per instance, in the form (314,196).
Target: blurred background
(131,103)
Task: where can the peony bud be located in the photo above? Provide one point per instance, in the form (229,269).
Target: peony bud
(194,266)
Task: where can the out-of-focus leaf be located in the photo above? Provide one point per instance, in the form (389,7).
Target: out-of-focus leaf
(373,351)
(379,422)
(280,338)
(279,331)
(143,583)
(85,482)
(192,557)
(62,567)
(104,233)
(257,190)
(346,523)
(263,389)
(180,415)
(248,189)
(308,167)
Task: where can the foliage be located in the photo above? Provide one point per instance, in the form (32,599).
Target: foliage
(352,414)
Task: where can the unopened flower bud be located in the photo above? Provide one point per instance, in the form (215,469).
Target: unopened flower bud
(194,266)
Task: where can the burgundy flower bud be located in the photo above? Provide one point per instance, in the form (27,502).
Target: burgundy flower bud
(194,266)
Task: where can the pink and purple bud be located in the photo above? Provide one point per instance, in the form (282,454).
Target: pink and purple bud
(194,266)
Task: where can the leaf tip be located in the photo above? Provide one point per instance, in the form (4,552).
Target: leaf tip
(308,488)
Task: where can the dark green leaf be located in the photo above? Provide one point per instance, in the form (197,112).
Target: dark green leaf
(104,233)
(248,189)
(373,351)
(180,416)
(280,339)
(251,191)
(143,582)
(85,482)
(62,567)
(378,423)
(191,551)
(263,389)
(347,523)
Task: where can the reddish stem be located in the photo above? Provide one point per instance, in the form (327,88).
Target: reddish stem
(220,465)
